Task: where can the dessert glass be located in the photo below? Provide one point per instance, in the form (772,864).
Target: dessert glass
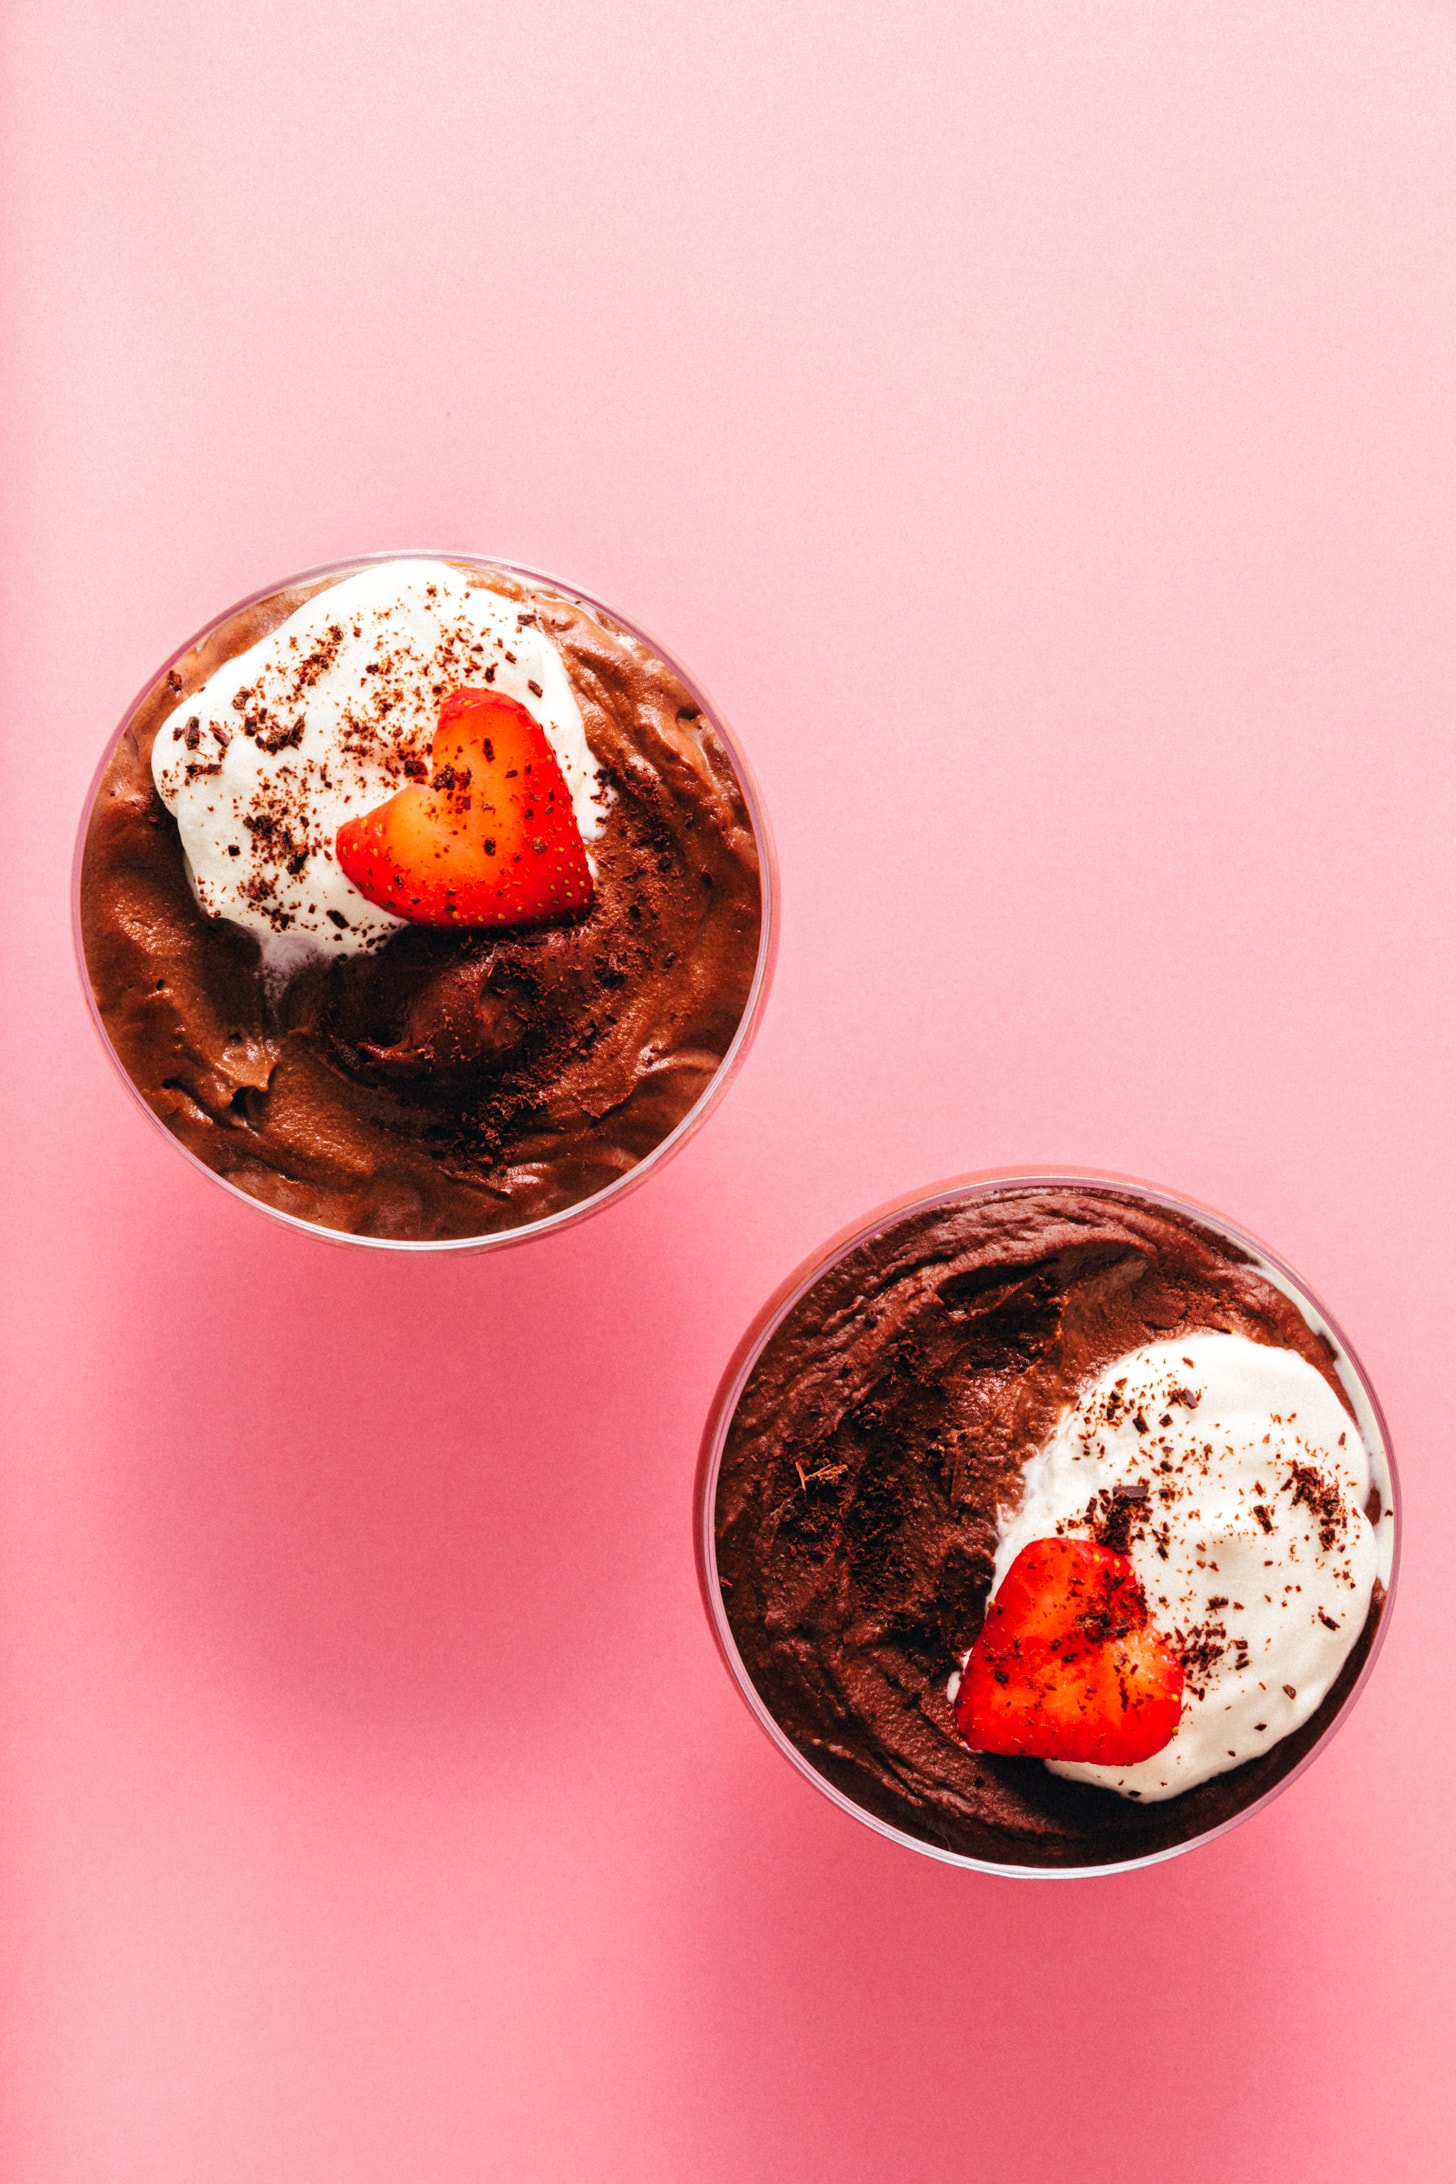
(966,1190)
(315,579)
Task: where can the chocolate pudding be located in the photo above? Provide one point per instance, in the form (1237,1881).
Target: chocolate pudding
(387,1079)
(876,1458)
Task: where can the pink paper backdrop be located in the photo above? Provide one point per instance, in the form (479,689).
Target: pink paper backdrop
(1036,424)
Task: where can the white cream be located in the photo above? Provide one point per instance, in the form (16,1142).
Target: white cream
(315,725)
(1252,1542)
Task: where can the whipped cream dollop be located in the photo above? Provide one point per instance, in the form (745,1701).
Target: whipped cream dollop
(326,718)
(1238,1483)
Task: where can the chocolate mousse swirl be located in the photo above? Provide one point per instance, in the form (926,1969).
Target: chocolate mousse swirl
(452,1084)
(885,1423)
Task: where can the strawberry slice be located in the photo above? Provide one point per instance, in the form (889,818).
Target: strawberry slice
(1067,1665)
(491,839)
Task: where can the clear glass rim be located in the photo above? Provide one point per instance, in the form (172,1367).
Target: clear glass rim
(748,1022)
(990,1183)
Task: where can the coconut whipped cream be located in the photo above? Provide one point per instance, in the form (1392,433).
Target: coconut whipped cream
(326,718)
(1237,1483)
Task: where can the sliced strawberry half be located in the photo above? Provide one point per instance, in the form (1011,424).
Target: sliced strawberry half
(490,839)
(1067,1665)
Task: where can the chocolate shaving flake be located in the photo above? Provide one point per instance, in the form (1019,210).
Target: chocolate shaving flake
(1324,1502)
(826,1475)
(272,734)
(1200,1650)
(1114,1517)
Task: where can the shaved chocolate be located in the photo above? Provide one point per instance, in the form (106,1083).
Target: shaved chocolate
(1323,1501)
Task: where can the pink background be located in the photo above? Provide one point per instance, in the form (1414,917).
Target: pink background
(1036,425)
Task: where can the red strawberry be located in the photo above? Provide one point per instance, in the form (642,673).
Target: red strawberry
(491,839)
(1067,1665)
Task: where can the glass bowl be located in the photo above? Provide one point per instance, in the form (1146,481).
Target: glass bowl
(299,588)
(1300,1746)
